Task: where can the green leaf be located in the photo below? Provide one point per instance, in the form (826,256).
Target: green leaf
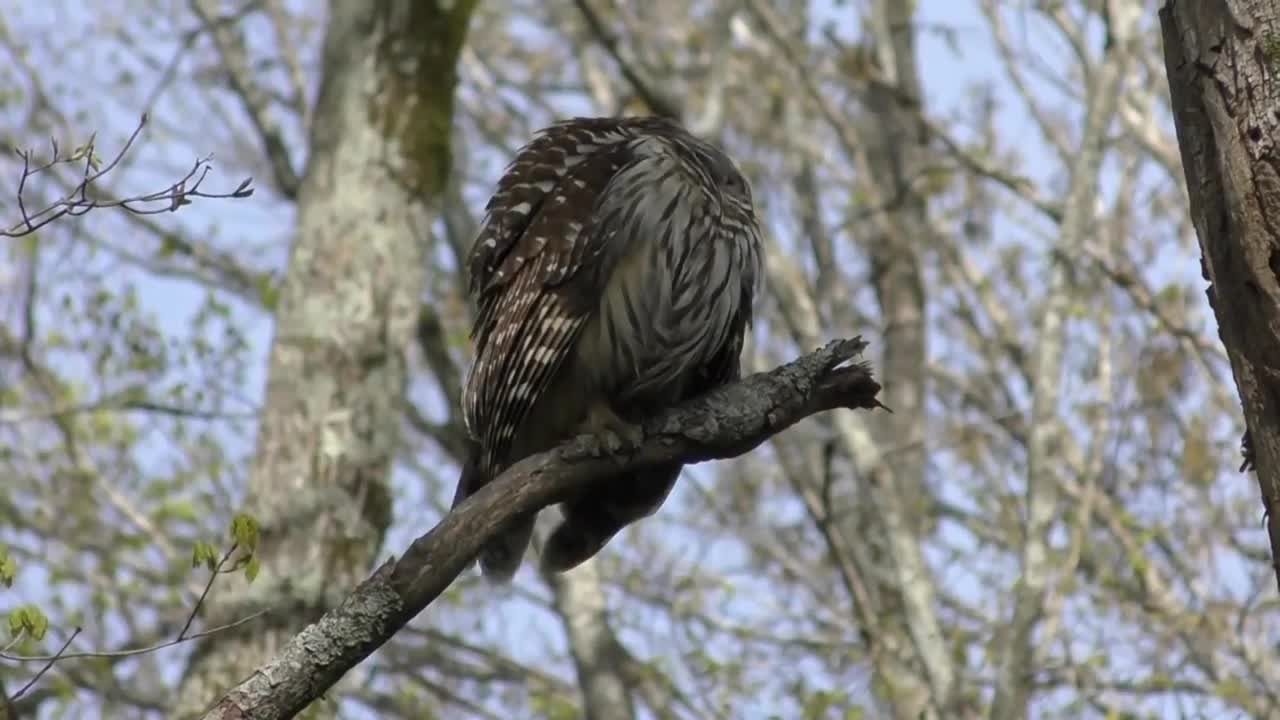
(169,246)
(1233,690)
(204,553)
(244,530)
(29,619)
(268,291)
(17,621)
(181,509)
(251,568)
(38,622)
(8,568)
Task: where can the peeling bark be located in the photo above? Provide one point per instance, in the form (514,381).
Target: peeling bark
(1223,62)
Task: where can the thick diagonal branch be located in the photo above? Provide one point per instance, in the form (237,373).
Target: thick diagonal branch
(723,424)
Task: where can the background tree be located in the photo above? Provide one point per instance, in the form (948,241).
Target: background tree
(330,423)
(1049,525)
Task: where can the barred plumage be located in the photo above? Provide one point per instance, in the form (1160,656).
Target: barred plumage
(614,275)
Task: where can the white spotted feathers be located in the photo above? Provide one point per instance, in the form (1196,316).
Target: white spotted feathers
(533,239)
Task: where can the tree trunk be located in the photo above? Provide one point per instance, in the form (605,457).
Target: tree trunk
(598,655)
(898,493)
(379,160)
(1223,61)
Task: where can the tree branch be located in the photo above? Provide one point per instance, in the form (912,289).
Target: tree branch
(234,54)
(79,201)
(659,102)
(722,424)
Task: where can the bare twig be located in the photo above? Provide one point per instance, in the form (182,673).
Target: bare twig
(131,399)
(1014,688)
(182,636)
(213,575)
(17,638)
(133,652)
(48,664)
(659,103)
(77,202)
(230,43)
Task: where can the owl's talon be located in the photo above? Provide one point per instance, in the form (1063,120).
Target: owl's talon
(613,434)
(628,438)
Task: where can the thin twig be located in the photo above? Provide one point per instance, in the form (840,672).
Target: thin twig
(140,650)
(217,570)
(48,664)
(77,202)
(14,642)
(659,103)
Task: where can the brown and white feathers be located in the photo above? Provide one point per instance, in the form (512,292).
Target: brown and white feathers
(616,268)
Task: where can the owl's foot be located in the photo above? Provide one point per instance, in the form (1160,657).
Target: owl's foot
(614,434)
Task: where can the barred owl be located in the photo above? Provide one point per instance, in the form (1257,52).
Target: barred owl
(613,276)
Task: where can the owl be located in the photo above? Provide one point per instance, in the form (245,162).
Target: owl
(613,276)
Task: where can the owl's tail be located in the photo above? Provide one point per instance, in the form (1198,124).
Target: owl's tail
(499,558)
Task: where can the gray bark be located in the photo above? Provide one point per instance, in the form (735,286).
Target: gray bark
(725,423)
(898,492)
(1223,61)
(330,426)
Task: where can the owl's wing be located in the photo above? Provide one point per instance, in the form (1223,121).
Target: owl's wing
(539,175)
(549,218)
